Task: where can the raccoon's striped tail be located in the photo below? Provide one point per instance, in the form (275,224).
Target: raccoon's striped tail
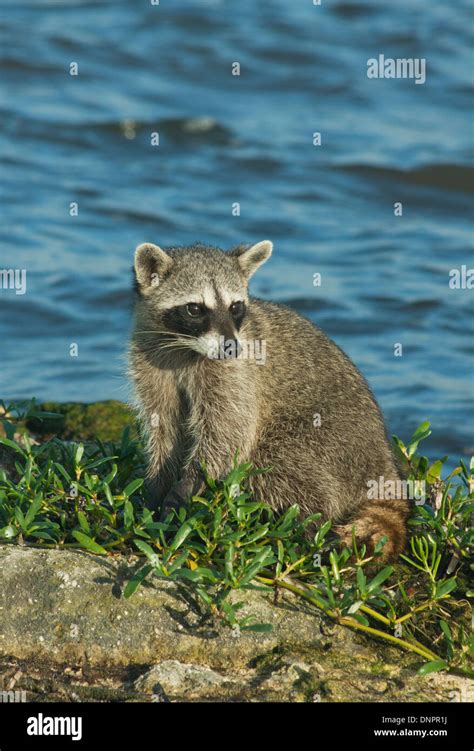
(375,520)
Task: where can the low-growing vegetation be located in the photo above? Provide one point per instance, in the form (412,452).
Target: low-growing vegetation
(62,494)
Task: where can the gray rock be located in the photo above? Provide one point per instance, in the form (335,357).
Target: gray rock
(67,633)
(183,679)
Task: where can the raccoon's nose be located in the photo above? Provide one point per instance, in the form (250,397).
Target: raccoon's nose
(231,344)
(231,348)
(238,347)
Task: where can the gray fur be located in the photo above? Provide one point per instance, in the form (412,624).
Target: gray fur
(197,409)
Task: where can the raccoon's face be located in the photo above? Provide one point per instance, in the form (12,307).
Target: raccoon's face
(197,296)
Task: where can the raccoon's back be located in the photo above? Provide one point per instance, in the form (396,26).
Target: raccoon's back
(305,369)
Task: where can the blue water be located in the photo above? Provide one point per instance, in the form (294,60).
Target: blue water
(246,139)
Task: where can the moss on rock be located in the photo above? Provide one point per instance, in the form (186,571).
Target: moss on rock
(85,422)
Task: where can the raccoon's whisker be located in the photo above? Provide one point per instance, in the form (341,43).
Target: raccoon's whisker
(175,345)
(171,345)
(168,333)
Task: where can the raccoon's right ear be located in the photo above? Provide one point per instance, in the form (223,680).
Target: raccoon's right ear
(151,265)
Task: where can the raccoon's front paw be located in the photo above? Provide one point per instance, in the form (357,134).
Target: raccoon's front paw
(190,484)
(172,500)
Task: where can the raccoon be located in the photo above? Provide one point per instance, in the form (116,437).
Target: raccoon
(300,407)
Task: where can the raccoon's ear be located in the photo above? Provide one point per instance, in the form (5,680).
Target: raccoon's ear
(251,258)
(151,264)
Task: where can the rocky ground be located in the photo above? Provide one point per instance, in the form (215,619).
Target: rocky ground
(66,633)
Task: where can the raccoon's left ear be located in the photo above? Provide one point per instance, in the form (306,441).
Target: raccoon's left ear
(251,258)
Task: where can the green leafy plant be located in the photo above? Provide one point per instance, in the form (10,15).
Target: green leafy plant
(92,497)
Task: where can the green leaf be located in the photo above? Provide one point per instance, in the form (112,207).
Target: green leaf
(20,517)
(445,587)
(132,487)
(281,553)
(434,472)
(446,630)
(433,667)
(14,446)
(79,454)
(128,514)
(83,522)
(230,613)
(33,510)
(360,618)
(204,596)
(198,575)
(108,479)
(400,446)
(136,580)
(261,560)
(420,434)
(88,543)
(379,546)
(285,521)
(62,471)
(108,494)
(361,581)
(334,566)
(98,462)
(322,532)
(380,578)
(253,537)
(455,472)
(421,431)
(145,548)
(181,535)
(175,567)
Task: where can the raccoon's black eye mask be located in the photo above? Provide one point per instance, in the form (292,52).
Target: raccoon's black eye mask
(195,310)
(194,319)
(237,311)
(181,321)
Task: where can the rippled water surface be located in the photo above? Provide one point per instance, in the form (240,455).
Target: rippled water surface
(246,139)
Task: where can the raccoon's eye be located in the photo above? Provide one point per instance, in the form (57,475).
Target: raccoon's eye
(194,309)
(237,308)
